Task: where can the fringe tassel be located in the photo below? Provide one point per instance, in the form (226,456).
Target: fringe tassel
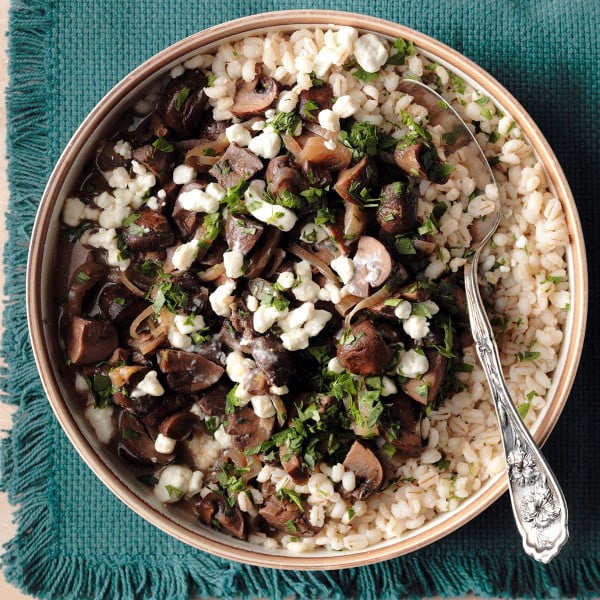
(32,560)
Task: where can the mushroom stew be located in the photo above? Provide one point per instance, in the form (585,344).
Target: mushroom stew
(248,306)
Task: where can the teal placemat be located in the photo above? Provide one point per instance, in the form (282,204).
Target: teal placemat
(75,540)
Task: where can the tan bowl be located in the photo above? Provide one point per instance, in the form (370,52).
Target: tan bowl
(42,317)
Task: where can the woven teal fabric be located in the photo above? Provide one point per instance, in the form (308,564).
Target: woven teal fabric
(75,540)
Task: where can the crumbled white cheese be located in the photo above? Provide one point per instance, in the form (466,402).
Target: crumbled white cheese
(216,191)
(267,144)
(286,279)
(317,322)
(403,310)
(238,134)
(388,387)
(107,240)
(329,120)
(273,214)
(183,174)
(195,485)
(185,255)
(198,201)
(288,101)
(370,53)
(178,339)
(298,316)
(313,234)
(416,326)
(344,267)
(295,339)
(101,419)
(123,148)
(164,444)
(73,212)
(237,365)
(224,439)
(234,263)
(279,390)
(305,289)
(432,307)
(323,61)
(335,366)
(345,106)
(258,125)
(263,406)
(221,298)
(252,303)
(173,483)
(118,178)
(149,386)
(412,364)
(187,324)
(330,293)
(265,317)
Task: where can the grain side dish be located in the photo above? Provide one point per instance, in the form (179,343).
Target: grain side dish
(261,290)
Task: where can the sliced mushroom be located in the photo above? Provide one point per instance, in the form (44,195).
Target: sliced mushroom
(136,445)
(188,372)
(425,389)
(118,304)
(255,383)
(247,429)
(362,350)
(150,128)
(150,231)
(313,100)
(178,425)
(182,102)
(212,400)
(124,380)
(272,359)
(420,160)
(294,468)
(363,462)
(214,510)
(414,292)
(280,512)
(84,278)
(155,160)
(282,176)
(242,232)
(355,183)
(264,252)
(317,151)
(254,97)
(186,221)
(397,211)
(90,340)
(241,317)
(236,164)
(372,266)
(402,431)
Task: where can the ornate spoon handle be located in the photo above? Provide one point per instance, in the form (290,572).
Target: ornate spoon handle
(538,502)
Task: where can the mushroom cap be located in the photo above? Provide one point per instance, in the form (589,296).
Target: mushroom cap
(136,445)
(250,101)
(372,266)
(214,508)
(363,462)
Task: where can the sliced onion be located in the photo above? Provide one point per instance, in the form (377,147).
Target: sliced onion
(314,261)
(197,157)
(316,152)
(212,273)
(148,343)
(133,328)
(346,303)
(321,131)
(131,286)
(379,296)
(291,145)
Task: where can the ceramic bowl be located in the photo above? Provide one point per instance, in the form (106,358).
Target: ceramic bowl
(42,312)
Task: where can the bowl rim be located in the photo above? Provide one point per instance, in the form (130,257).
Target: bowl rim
(247,24)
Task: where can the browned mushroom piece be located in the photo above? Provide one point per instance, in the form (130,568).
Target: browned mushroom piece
(212,400)
(166,405)
(420,160)
(186,221)
(182,102)
(365,465)
(178,425)
(150,231)
(294,468)
(397,211)
(236,164)
(255,382)
(149,128)
(372,266)
(84,278)
(188,372)
(124,380)
(241,317)
(315,153)
(247,429)
(107,159)
(242,232)
(424,246)
(214,510)
(414,292)
(452,298)
(316,175)
(118,304)
(313,100)
(362,351)
(90,340)
(402,432)
(355,183)
(264,252)
(155,160)
(282,176)
(119,357)
(254,97)
(281,513)
(425,389)
(136,445)
(272,359)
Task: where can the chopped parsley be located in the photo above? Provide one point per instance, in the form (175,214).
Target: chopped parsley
(365,76)
(101,388)
(127,433)
(403,49)
(182,97)
(171,489)
(315,80)
(163,145)
(523,409)
(82,277)
(286,122)
(290,496)
(362,139)
(119,301)
(234,199)
(309,108)
(168,294)
(527,356)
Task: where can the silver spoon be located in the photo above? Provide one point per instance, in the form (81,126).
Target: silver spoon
(538,503)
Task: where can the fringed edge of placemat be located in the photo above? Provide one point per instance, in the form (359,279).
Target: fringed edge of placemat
(32,560)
